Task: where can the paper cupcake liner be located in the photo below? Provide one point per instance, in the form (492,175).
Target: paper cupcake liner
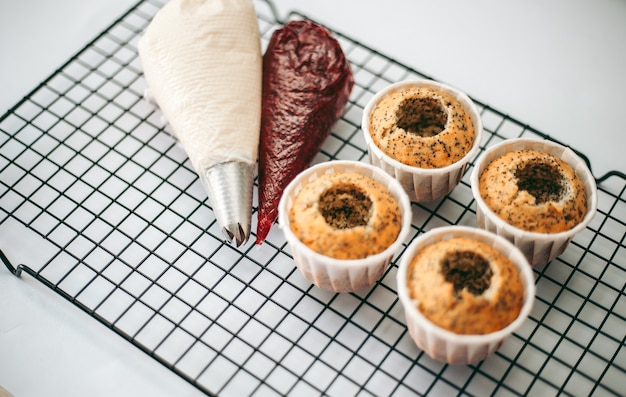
(539,248)
(422,184)
(447,346)
(336,274)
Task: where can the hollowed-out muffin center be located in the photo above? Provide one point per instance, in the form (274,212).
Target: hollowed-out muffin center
(345,206)
(425,117)
(541,180)
(466,270)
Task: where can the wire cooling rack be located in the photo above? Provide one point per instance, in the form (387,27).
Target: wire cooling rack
(117,223)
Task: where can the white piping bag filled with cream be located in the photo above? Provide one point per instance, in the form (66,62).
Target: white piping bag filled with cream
(202,63)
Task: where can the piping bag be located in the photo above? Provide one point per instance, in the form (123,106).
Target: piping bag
(202,63)
(307,81)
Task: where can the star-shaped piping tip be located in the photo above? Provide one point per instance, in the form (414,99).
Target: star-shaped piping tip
(236,232)
(229,187)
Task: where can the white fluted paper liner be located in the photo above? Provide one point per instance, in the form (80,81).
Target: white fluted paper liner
(539,248)
(447,346)
(342,275)
(422,184)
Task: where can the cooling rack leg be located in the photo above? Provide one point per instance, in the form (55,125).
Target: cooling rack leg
(17,271)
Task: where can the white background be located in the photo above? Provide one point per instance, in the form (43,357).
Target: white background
(557,66)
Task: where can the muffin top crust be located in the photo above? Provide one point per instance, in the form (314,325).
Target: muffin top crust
(422,126)
(465,286)
(345,216)
(534,191)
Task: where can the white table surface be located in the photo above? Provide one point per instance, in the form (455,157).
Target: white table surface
(558,66)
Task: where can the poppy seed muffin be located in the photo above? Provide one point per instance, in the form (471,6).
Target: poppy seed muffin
(538,198)
(422,133)
(351,213)
(448,274)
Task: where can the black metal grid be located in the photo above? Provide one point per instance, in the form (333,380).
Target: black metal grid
(102,206)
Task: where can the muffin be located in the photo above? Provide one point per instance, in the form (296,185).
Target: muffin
(424,134)
(537,194)
(344,221)
(464,290)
